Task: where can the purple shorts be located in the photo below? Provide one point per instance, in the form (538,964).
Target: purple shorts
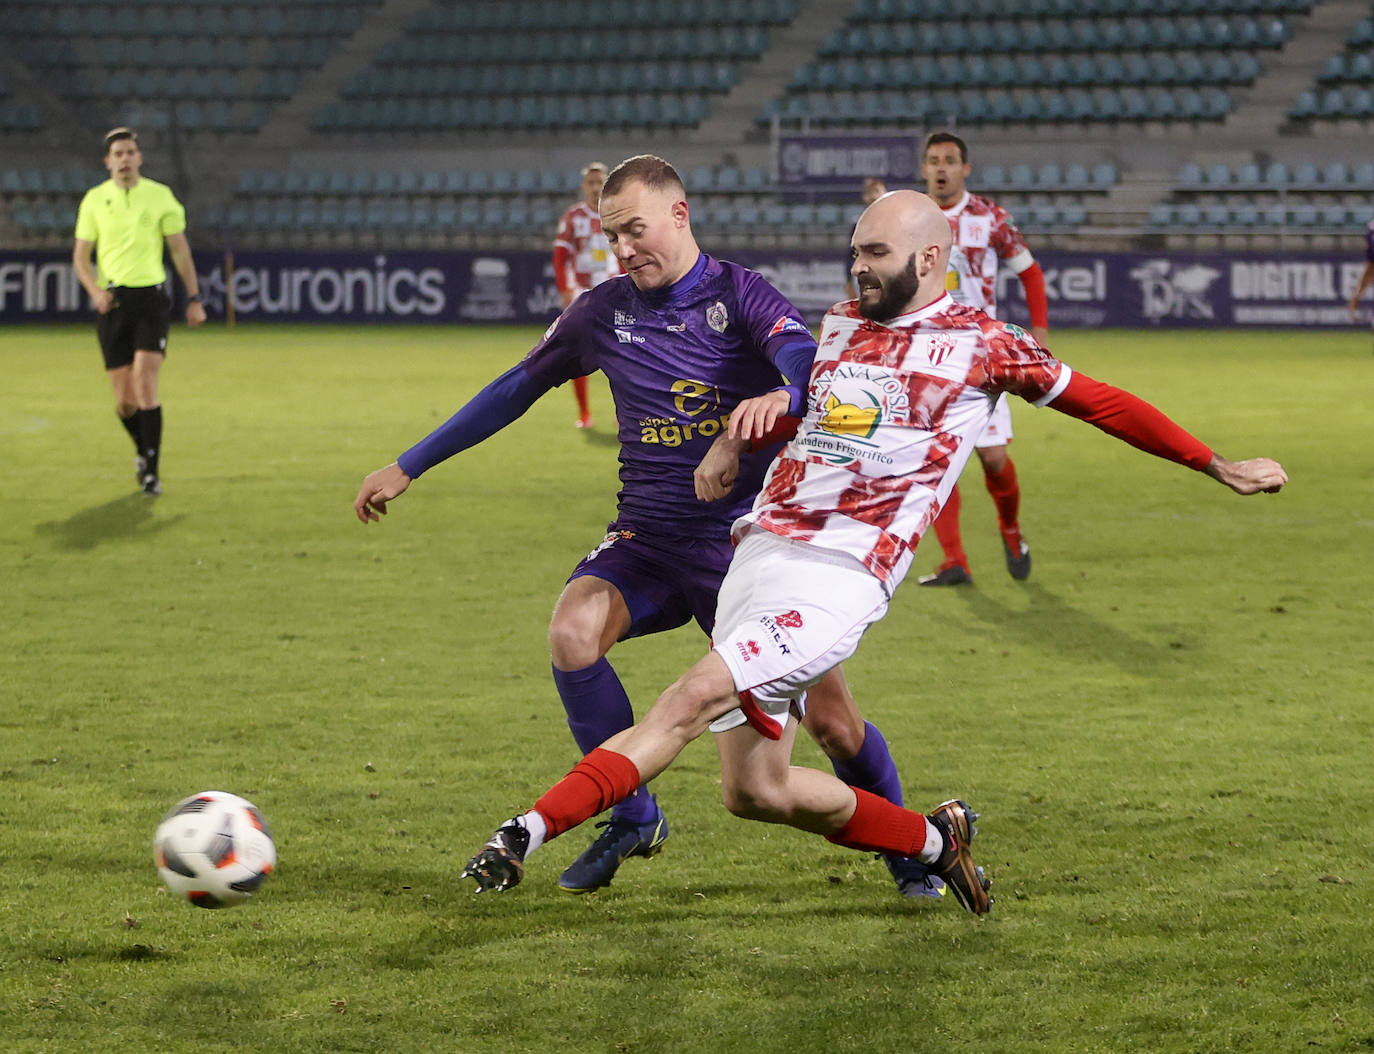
(665,579)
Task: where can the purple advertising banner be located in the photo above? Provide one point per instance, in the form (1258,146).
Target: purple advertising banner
(830,163)
(1127,290)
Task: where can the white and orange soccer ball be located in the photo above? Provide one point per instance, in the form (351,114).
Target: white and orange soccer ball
(214,849)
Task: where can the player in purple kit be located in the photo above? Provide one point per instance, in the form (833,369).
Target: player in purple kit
(682,339)
(1366,276)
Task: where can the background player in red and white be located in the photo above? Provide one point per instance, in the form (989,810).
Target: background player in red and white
(984,236)
(1367,276)
(903,384)
(582,258)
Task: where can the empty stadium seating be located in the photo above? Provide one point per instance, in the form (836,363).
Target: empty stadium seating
(562,66)
(1342,90)
(900,62)
(1221,198)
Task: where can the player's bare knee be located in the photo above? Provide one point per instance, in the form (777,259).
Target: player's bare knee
(754,800)
(837,737)
(574,640)
(994,458)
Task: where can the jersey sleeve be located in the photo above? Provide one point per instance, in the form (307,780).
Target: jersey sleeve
(1369,243)
(1007,242)
(567,348)
(173,219)
(1016,364)
(86,229)
(563,237)
(486,413)
(777,329)
(1132,420)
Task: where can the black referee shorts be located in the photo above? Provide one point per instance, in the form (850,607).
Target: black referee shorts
(138,321)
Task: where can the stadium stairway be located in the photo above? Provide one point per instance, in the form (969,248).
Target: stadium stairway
(291,120)
(1315,38)
(731,118)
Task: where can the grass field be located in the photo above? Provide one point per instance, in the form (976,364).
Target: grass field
(1168,729)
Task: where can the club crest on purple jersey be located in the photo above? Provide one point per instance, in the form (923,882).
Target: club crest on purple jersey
(716,317)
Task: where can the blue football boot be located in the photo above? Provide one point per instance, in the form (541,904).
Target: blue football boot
(618,840)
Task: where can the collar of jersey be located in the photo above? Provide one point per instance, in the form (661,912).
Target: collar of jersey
(943,303)
(679,291)
(958,206)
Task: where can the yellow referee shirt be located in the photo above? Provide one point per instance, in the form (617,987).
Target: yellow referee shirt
(128,228)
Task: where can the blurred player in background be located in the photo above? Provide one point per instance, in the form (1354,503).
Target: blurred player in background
(682,339)
(582,258)
(873,189)
(128,220)
(901,389)
(984,234)
(1367,276)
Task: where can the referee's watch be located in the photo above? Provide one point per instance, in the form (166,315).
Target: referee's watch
(193,299)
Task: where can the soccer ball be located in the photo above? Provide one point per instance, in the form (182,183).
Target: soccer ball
(214,849)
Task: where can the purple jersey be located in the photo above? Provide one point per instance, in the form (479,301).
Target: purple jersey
(678,362)
(1369,242)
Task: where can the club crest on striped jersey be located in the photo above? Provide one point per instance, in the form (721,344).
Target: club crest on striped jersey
(940,347)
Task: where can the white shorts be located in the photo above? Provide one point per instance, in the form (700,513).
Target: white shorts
(788,613)
(998,429)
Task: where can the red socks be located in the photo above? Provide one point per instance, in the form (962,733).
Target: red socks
(947,531)
(584,406)
(596,783)
(878,826)
(1006,495)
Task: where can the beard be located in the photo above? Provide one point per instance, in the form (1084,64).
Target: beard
(894,294)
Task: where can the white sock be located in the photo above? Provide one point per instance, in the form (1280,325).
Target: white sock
(538,829)
(935,845)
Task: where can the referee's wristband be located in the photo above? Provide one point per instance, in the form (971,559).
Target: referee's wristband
(193,299)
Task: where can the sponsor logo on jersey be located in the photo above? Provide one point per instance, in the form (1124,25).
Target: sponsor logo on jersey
(748,649)
(695,400)
(859,399)
(775,632)
(850,418)
(717,317)
(552,326)
(623,318)
(786,324)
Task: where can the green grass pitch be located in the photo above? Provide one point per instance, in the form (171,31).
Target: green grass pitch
(1168,728)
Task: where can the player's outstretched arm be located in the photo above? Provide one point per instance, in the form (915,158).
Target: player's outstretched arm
(1248,477)
(379,488)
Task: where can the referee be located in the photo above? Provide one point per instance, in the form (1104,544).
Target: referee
(128,219)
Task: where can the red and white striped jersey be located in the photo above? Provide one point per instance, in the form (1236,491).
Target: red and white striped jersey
(892,413)
(586,258)
(984,233)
